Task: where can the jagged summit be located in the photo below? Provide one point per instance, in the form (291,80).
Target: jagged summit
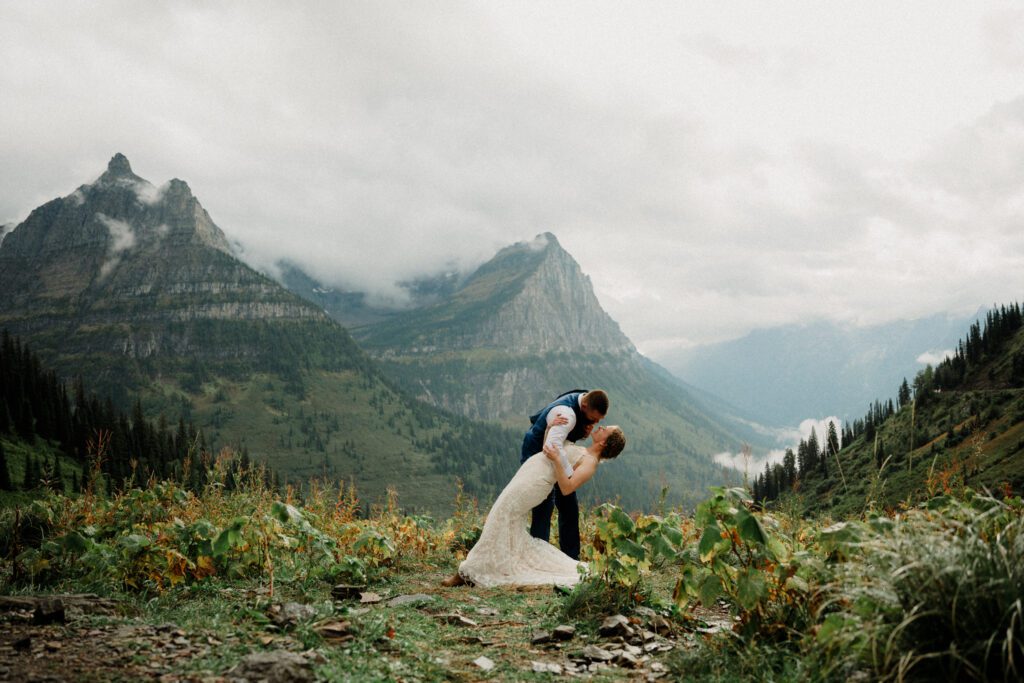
(532,297)
(121,242)
(118,165)
(119,173)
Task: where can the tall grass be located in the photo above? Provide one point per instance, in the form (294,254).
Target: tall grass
(935,594)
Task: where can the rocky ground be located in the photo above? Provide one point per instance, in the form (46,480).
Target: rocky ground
(412,630)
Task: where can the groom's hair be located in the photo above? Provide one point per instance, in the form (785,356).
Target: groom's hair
(596,400)
(613,445)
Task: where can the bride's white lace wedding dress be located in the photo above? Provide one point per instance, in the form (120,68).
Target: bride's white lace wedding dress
(506,553)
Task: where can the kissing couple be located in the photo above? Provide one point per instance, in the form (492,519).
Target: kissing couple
(551,472)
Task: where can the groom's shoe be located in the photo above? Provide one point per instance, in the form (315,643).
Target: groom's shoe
(453,581)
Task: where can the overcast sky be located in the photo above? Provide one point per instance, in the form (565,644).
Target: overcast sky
(714,166)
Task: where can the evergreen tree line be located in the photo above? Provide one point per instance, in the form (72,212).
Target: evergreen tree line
(812,458)
(982,344)
(985,340)
(35,404)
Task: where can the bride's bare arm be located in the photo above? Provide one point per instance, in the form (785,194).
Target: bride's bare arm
(580,477)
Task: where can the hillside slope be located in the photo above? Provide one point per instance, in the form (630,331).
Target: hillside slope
(133,287)
(525,327)
(960,424)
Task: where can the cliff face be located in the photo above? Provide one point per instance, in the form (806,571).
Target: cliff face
(119,262)
(525,327)
(531,298)
(133,287)
(554,310)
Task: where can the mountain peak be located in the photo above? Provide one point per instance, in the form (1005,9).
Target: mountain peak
(119,166)
(178,187)
(548,238)
(532,297)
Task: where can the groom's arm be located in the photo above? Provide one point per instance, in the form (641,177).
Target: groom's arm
(557,435)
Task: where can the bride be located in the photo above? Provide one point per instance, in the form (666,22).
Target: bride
(506,553)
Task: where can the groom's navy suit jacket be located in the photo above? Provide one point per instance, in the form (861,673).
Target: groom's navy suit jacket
(533,442)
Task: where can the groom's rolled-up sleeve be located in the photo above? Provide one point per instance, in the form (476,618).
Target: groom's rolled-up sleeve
(559,433)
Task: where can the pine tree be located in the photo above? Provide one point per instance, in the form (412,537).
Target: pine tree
(5,473)
(832,439)
(903,397)
(56,475)
(789,467)
(31,479)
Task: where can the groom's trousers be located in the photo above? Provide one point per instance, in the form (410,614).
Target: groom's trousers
(568,521)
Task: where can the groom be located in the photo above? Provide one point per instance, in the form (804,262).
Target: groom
(581,409)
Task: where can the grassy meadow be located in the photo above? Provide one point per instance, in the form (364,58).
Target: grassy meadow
(185,586)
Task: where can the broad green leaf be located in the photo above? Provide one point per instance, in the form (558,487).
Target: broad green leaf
(75,543)
(777,548)
(223,542)
(135,542)
(661,546)
(623,521)
(751,588)
(631,548)
(833,624)
(674,535)
(708,541)
(749,528)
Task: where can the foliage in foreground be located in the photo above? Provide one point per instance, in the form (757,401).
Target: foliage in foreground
(150,539)
(934,592)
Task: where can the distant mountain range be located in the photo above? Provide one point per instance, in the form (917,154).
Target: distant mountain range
(134,287)
(961,425)
(502,341)
(783,375)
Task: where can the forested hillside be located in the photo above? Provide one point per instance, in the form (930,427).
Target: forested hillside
(134,287)
(66,440)
(958,424)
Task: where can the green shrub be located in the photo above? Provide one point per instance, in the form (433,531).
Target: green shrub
(934,595)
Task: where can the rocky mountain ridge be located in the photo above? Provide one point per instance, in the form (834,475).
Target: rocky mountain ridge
(119,262)
(133,287)
(526,326)
(531,298)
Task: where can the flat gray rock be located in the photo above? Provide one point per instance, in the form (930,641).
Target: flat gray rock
(275,666)
(414,599)
(564,632)
(484,663)
(291,613)
(597,654)
(617,625)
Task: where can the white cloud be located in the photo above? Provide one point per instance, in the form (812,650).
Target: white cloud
(935,357)
(122,238)
(148,193)
(714,168)
(786,438)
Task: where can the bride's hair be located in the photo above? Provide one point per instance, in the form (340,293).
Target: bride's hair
(613,445)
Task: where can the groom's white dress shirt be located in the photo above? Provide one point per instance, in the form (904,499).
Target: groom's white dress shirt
(559,433)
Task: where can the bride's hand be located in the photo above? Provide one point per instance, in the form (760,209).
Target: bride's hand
(551,452)
(559,420)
